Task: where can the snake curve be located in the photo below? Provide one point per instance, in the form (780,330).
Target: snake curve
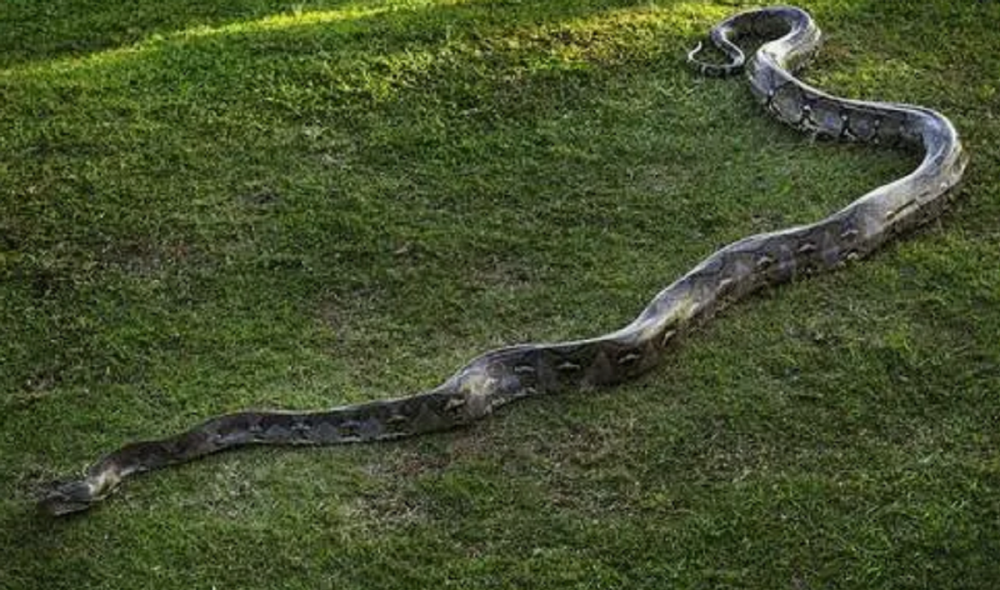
(503,375)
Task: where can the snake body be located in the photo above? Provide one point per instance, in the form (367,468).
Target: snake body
(501,376)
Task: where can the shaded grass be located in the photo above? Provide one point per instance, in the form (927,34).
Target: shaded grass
(252,204)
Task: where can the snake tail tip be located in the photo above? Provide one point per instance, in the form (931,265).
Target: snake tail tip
(65,497)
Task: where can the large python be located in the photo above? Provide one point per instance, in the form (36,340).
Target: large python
(501,376)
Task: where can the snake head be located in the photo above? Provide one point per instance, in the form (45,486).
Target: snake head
(66,497)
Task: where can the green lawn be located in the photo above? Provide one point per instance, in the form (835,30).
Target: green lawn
(209,206)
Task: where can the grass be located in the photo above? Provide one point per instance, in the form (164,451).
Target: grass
(260,203)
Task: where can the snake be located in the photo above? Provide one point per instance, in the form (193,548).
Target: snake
(498,377)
